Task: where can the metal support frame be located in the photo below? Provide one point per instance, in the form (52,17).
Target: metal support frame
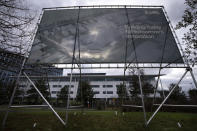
(132,106)
(44,99)
(68,97)
(46,73)
(27,106)
(137,67)
(73,59)
(142,96)
(113,66)
(79,63)
(125,68)
(166,98)
(171,105)
(162,55)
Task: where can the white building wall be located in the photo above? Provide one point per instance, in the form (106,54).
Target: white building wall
(105,92)
(102,92)
(56,87)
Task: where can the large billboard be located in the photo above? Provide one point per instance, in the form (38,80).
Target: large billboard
(105,35)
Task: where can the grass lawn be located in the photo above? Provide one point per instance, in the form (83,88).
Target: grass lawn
(98,121)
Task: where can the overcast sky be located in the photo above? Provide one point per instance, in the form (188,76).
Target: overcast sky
(174,8)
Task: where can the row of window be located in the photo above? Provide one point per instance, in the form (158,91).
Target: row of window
(95,92)
(104,86)
(93,86)
(60,86)
(104,92)
(56,92)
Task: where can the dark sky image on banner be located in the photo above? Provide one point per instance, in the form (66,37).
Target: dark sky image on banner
(105,35)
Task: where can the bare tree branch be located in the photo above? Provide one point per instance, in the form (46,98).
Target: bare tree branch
(15,20)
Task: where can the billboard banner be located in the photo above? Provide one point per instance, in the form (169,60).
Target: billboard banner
(105,35)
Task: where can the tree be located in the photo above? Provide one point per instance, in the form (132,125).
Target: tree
(147,88)
(178,96)
(63,95)
(85,93)
(33,96)
(3,94)
(6,93)
(15,18)
(135,89)
(193,96)
(18,94)
(121,91)
(189,20)
(163,93)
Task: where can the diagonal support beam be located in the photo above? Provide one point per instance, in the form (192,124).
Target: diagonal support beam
(44,99)
(192,74)
(142,95)
(166,98)
(68,97)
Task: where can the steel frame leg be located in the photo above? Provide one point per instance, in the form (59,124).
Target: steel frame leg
(44,99)
(162,89)
(142,95)
(155,89)
(194,80)
(12,97)
(68,98)
(166,98)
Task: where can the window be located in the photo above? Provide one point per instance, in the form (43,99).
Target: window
(71,92)
(107,86)
(69,86)
(57,86)
(22,86)
(109,92)
(95,86)
(96,92)
(53,92)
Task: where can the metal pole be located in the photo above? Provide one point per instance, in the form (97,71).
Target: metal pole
(162,89)
(68,97)
(155,89)
(192,74)
(79,51)
(163,51)
(46,73)
(73,58)
(44,99)
(125,68)
(166,98)
(142,95)
(13,93)
(24,91)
